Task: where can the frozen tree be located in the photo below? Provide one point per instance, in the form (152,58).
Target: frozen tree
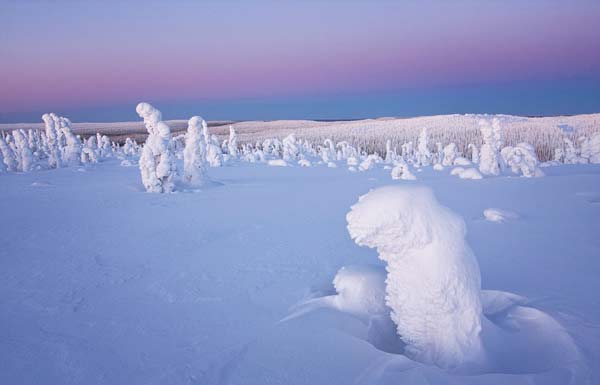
(105,146)
(71,152)
(474,153)
(595,149)
(328,153)
(194,155)
(423,154)
(407,151)
(214,155)
(590,149)
(489,160)
(53,148)
(130,147)
(433,283)
(390,154)
(232,144)
(522,160)
(157,161)
(450,153)
(23,152)
(9,157)
(290,148)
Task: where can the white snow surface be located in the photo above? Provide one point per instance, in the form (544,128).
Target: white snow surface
(102,283)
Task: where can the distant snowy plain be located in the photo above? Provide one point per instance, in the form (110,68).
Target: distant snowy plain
(102,283)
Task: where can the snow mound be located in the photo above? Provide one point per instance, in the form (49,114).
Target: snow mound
(433,280)
(460,161)
(457,170)
(470,173)
(361,290)
(277,163)
(499,215)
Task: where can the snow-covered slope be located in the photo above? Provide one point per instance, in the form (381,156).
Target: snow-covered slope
(545,133)
(101,283)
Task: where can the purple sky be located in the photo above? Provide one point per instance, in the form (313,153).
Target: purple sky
(78,56)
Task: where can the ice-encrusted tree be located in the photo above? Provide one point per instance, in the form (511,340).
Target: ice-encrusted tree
(450,153)
(52,142)
(214,155)
(8,155)
(290,148)
(71,152)
(390,154)
(423,155)
(23,153)
(489,159)
(433,283)
(194,153)
(522,160)
(474,153)
(157,161)
(232,144)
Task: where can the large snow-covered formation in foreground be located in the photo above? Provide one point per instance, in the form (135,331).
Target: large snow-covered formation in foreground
(157,161)
(433,283)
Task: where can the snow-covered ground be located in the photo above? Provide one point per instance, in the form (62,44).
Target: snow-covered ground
(102,283)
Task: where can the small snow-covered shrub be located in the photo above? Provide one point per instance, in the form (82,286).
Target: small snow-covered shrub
(361,290)
(498,215)
(304,163)
(157,161)
(438,167)
(401,171)
(433,283)
(522,160)
(369,162)
(194,154)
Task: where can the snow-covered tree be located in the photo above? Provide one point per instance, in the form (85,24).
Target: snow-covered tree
(423,155)
(433,283)
(474,153)
(52,142)
(8,155)
(157,161)
(23,153)
(450,153)
(71,152)
(595,149)
(232,144)
(522,160)
(390,154)
(290,148)
(194,154)
(489,159)
(328,153)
